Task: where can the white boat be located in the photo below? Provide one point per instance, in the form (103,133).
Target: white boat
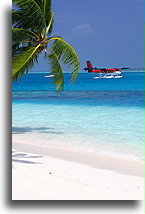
(118,76)
(49,76)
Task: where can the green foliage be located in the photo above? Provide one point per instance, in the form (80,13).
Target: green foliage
(23,61)
(56,70)
(19,35)
(32,15)
(67,54)
(32,25)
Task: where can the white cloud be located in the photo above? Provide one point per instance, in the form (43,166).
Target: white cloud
(74,18)
(84,29)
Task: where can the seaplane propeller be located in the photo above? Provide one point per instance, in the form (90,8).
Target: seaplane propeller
(85,69)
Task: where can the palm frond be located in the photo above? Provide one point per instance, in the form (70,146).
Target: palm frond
(56,70)
(33,17)
(17,19)
(45,6)
(24,60)
(15,47)
(49,27)
(47,11)
(19,35)
(67,54)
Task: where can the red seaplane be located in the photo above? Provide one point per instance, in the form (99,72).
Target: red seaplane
(99,70)
(104,72)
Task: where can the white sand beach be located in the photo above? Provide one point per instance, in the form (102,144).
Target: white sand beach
(40,173)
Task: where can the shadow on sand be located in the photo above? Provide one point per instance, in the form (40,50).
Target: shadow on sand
(20,157)
(22,130)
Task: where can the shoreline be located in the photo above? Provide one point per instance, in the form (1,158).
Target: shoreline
(121,165)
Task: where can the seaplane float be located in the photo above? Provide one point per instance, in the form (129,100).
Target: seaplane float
(103,72)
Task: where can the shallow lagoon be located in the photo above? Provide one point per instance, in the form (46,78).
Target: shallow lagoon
(102,115)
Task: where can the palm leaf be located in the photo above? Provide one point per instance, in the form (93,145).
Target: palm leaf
(33,17)
(17,19)
(19,35)
(56,70)
(23,61)
(49,27)
(45,6)
(47,11)
(67,54)
(15,47)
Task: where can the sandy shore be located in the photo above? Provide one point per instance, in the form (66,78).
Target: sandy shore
(40,173)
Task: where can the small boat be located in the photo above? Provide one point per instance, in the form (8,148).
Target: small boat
(119,76)
(49,76)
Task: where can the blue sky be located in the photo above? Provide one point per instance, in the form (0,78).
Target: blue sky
(108,32)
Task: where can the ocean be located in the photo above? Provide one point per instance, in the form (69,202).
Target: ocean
(96,115)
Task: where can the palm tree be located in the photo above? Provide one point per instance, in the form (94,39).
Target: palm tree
(31,30)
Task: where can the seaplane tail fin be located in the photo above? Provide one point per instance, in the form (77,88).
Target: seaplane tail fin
(89,65)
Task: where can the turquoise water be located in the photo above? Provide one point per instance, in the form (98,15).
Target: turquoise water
(102,115)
